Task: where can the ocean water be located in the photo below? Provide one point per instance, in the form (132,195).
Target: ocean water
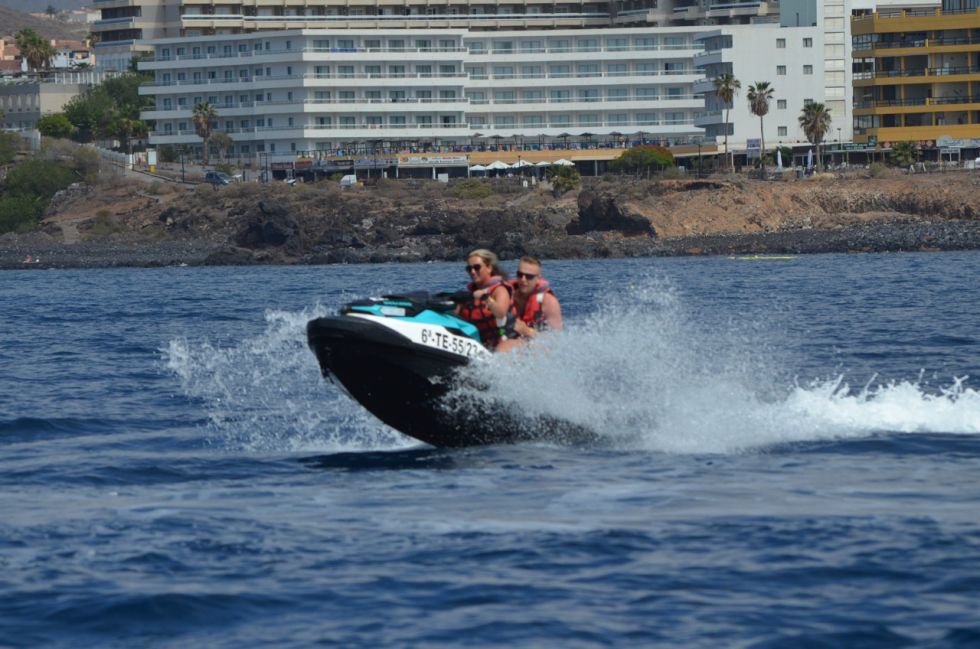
(790,458)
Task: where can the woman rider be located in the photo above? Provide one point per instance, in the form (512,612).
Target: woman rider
(490,306)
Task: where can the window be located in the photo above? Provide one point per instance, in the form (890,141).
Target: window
(781,70)
(807,69)
(781,43)
(807,42)
(781,104)
(781,131)
(807,102)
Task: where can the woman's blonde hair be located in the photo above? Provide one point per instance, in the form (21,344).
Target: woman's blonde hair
(490,259)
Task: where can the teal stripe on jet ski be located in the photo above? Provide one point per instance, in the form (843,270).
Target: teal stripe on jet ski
(425,317)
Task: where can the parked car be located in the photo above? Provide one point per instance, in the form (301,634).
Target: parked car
(217,178)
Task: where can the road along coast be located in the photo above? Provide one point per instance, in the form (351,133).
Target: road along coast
(131,223)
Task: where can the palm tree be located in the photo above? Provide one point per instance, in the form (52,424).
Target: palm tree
(759,96)
(815,121)
(726,87)
(204,117)
(35,50)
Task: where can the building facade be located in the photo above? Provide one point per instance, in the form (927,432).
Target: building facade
(282,93)
(917,76)
(789,58)
(25,101)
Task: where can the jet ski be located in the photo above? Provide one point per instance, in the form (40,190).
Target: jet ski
(399,357)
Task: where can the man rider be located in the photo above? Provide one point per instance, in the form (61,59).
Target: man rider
(533,302)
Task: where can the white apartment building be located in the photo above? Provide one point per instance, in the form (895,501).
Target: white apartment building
(125,23)
(790,59)
(280,93)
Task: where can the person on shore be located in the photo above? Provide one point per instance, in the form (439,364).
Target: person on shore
(534,304)
(490,308)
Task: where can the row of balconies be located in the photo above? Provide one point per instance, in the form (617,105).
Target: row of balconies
(916,101)
(405,77)
(458,129)
(197,20)
(862,46)
(543,104)
(918,72)
(258,56)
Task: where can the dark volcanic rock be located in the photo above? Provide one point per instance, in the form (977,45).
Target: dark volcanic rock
(600,212)
(271,226)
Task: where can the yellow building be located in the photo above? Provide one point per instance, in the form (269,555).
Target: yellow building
(917,76)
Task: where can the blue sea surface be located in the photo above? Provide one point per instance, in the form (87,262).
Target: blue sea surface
(790,458)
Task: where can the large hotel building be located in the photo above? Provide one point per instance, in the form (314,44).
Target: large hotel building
(292,76)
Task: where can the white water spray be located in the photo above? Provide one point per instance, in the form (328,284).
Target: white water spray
(266,393)
(644,373)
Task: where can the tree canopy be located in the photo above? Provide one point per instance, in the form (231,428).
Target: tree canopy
(643,158)
(726,87)
(35,50)
(100,112)
(56,125)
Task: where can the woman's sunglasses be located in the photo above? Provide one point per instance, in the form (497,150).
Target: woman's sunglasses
(475,268)
(527,276)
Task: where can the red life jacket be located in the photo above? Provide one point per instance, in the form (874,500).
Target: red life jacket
(478,312)
(533,315)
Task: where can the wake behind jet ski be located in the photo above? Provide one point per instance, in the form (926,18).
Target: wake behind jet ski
(399,357)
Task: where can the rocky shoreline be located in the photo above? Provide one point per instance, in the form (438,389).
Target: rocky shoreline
(128,226)
(900,236)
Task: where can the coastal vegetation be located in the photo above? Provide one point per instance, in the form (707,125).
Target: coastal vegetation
(110,109)
(726,88)
(37,51)
(204,116)
(760,96)
(815,121)
(642,160)
(29,185)
(564,179)
(905,154)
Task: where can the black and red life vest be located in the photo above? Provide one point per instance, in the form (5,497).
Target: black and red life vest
(478,312)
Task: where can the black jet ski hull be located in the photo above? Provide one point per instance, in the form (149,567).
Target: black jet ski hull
(404,384)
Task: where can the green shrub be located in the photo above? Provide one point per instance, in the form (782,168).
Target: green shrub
(20,213)
(103,225)
(38,179)
(10,143)
(564,179)
(167,153)
(86,162)
(877,169)
(672,173)
(472,189)
(56,125)
(225,168)
(904,154)
(643,158)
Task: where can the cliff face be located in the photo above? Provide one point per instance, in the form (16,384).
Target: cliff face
(411,220)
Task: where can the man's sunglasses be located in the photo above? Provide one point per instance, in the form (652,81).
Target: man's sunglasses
(475,268)
(527,276)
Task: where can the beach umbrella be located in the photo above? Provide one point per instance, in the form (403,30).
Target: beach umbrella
(543,163)
(497,165)
(520,164)
(562,162)
(478,168)
(809,159)
(779,158)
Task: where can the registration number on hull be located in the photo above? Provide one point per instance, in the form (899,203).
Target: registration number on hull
(451,343)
